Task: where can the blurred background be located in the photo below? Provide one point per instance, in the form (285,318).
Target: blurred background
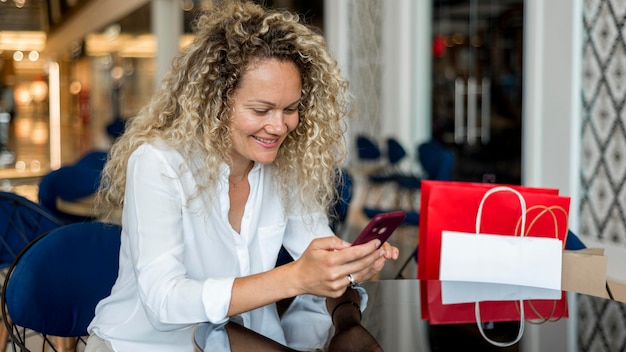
(516,91)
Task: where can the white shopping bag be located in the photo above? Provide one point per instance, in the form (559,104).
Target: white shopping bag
(487,267)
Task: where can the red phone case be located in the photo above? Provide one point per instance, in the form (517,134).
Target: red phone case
(381,226)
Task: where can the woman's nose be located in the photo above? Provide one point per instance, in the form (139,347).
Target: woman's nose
(276,124)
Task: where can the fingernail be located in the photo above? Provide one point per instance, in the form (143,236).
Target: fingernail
(378,243)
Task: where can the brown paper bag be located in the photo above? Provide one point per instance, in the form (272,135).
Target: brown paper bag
(584,271)
(618,291)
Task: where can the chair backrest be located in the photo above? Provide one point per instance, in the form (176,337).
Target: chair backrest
(344,188)
(436,160)
(367,149)
(55,283)
(72,182)
(93,160)
(395,151)
(21,221)
(572,242)
(116,128)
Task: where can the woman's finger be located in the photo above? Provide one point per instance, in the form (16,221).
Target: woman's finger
(390,251)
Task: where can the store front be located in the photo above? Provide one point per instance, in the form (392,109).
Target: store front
(477,76)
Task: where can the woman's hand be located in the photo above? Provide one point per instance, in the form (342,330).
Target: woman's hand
(322,270)
(390,252)
(324,266)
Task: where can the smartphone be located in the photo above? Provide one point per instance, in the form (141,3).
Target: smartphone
(381,226)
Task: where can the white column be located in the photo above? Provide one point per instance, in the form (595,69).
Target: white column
(397,72)
(422,58)
(552,89)
(551,125)
(336,34)
(167,27)
(54,98)
(336,30)
(406,59)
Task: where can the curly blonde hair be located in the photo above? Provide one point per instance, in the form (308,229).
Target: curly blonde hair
(192,109)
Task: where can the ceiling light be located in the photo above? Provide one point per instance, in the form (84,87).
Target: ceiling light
(18,56)
(22,40)
(33,56)
(75,87)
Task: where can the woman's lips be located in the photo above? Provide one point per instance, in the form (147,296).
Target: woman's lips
(269,142)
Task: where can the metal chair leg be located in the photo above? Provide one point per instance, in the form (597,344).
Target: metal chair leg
(404,265)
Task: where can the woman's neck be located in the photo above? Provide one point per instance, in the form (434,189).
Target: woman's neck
(239,174)
(239,170)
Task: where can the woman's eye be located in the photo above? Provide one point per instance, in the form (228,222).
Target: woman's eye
(291,111)
(260,112)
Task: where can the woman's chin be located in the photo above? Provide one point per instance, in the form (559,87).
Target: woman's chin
(265,158)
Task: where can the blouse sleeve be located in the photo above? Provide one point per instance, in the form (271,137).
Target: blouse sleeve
(153,207)
(302,229)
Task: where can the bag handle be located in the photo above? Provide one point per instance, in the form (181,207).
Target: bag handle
(522,201)
(544,210)
(491,191)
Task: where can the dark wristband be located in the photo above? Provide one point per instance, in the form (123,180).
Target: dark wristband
(354,304)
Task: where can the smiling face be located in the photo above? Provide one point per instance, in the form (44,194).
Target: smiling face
(265,110)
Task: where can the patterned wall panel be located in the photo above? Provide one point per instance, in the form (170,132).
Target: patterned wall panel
(602,323)
(364,64)
(603,176)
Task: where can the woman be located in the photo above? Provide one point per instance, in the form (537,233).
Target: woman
(235,156)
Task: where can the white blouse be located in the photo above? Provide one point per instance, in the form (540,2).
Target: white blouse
(179,257)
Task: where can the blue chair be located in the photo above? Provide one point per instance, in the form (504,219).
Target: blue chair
(370,154)
(436,160)
(437,163)
(395,151)
(54,284)
(340,210)
(396,154)
(116,128)
(367,150)
(21,221)
(72,183)
(572,242)
(380,172)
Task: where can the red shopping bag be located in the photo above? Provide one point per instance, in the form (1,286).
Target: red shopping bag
(453,206)
(491,311)
(536,311)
